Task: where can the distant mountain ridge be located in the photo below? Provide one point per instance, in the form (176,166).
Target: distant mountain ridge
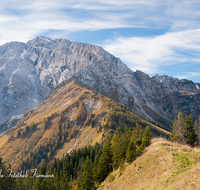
(30,71)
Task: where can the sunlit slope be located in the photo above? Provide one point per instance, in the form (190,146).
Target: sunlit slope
(72,117)
(58,118)
(164,165)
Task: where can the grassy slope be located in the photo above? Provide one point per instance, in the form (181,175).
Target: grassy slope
(70,109)
(63,100)
(163,166)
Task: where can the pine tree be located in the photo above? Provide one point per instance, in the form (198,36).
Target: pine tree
(146,137)
(129,135)
(105,161)
(131,152)
(124,143)
(86,181)
(115,148)
(95,167)
(137,134)
(191,137)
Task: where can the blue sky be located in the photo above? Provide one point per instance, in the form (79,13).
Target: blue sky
(156,37)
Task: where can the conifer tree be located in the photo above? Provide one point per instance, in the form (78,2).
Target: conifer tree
(146,137)
(129,135)
(95,167)
(115,148)
(87,182)
(191,137)
(105,161)
(137,134)
(131,152)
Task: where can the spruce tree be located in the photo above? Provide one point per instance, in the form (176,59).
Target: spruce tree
(131,152)
(95,167)
(105,161)
(124,143)
(146,137)
(115,148)
(191,137)
(137,134)
(86,181)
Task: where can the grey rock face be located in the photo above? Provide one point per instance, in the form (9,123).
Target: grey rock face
(146,95)
(30,71)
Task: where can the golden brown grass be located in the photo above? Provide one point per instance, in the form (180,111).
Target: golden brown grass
(163,165)
(70,100)
(3,140)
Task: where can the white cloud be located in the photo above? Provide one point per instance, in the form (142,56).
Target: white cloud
(22,20)
(31,18)
(23,29)
(188,75)
(149,54)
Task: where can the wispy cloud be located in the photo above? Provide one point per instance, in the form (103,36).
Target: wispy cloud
(23,20)
(34,17)
(149,54)
(188,75)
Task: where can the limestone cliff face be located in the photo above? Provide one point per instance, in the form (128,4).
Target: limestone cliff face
(30,71)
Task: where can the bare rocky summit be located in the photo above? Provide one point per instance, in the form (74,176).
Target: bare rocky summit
(30,71)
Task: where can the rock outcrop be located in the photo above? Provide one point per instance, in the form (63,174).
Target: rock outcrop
(30,71)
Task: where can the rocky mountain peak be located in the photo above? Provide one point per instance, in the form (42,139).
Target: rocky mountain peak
(30,71)
(177,84)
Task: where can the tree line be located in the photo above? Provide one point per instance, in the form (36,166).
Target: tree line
(86,168)
(184,132)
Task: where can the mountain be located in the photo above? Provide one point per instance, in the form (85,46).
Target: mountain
(72,117)
(164,165)
(30,71)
